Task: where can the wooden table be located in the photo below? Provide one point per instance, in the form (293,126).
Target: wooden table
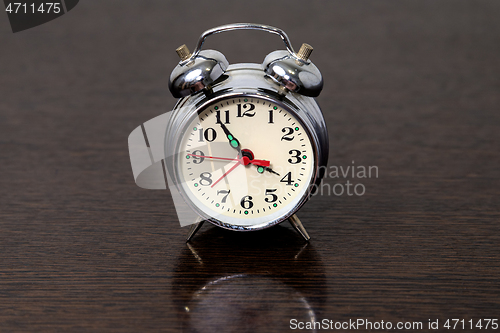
(412,88)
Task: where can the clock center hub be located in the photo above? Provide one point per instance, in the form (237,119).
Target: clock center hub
(247,156)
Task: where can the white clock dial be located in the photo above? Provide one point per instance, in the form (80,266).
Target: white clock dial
(266,180)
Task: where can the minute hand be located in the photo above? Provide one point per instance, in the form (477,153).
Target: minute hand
(232,140)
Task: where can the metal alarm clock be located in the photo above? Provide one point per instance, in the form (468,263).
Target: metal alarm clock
(246,143)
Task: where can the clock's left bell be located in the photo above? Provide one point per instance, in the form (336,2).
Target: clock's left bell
(195,73)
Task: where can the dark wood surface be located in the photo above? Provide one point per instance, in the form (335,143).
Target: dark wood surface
(412,87)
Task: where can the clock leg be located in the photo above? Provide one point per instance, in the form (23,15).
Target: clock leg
(194,228)
(295,222)
(193,251)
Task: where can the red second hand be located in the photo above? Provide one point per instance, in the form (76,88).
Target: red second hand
(215,158)
(262,163)
(243,160)
(254,162)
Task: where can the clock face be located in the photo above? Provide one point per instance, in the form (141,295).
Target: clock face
(245,161)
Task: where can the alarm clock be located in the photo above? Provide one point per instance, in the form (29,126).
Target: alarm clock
(246,144)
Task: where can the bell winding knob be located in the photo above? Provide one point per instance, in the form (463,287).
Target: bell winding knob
(183,52)
(304,51)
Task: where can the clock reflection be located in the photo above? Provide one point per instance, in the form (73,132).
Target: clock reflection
(248,282)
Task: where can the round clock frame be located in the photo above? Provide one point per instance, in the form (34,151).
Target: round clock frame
(245,81)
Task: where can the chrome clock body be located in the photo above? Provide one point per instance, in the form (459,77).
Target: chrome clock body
(246,81)
(246,145)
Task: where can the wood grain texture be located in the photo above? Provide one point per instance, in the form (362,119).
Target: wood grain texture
(410,87)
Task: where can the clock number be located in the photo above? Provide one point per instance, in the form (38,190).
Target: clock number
(246,202)
(288,132)
(206,179)
(226,113)
(287,179)
(196,159)
(246,110)
(273,198)
(226,192)
(296,156)
(271,117)
(209,134)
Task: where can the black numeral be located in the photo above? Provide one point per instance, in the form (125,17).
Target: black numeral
(226,113)
(287,179)
(209,134)
(244,111)
(271,117)
(246,202)
(296,157)
(197,159)
(226,192)
(273,198)
(288,132)
(206,179)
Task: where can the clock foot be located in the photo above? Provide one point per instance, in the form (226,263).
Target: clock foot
(295,222)
(194,228)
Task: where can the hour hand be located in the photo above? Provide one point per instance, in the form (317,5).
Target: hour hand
(271,171)
(232,140)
